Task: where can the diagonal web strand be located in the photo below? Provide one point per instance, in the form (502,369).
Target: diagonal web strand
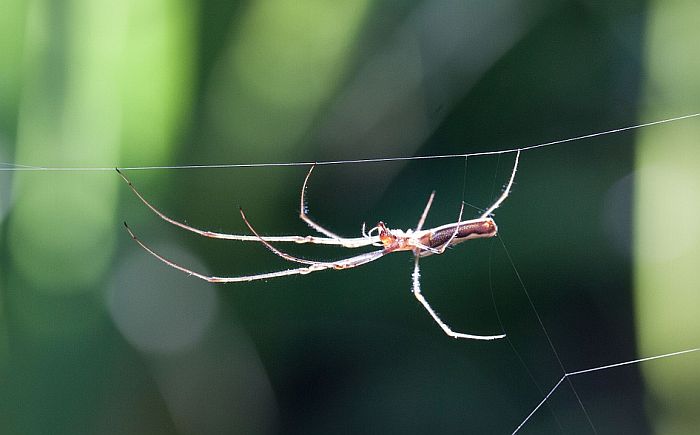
(600,368)
(546,334)
(512,345)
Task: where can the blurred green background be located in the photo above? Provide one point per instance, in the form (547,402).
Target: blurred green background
(98,337)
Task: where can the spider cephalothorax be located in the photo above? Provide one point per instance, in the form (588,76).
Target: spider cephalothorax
(388,239)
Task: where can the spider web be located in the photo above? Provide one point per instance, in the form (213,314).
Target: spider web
(548,388)
(601,320)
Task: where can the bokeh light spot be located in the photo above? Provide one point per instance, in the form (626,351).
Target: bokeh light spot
(157,309)
(61,233)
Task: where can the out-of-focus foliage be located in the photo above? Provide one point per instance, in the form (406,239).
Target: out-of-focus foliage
(668,249)
(96,336)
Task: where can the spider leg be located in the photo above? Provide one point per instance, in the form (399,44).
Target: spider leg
(427,250)
(348,243)
(304,215)
(272,248)
(417,293)
(444,246)
(506,191)
(346,263)
(421,221)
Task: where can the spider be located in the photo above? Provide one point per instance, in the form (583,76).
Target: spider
(419,241)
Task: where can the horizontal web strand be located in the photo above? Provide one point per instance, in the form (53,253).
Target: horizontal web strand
(20,167)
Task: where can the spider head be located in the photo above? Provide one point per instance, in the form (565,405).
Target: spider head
(385,236)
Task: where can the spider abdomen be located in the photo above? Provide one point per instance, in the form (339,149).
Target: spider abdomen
(480,228)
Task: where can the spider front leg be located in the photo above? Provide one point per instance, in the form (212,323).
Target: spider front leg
(342,241)
(423,216)
(417,293)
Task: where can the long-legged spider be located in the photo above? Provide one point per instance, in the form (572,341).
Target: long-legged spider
(421,242)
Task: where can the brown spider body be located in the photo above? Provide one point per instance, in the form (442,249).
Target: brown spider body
(436,238)
(468,230)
